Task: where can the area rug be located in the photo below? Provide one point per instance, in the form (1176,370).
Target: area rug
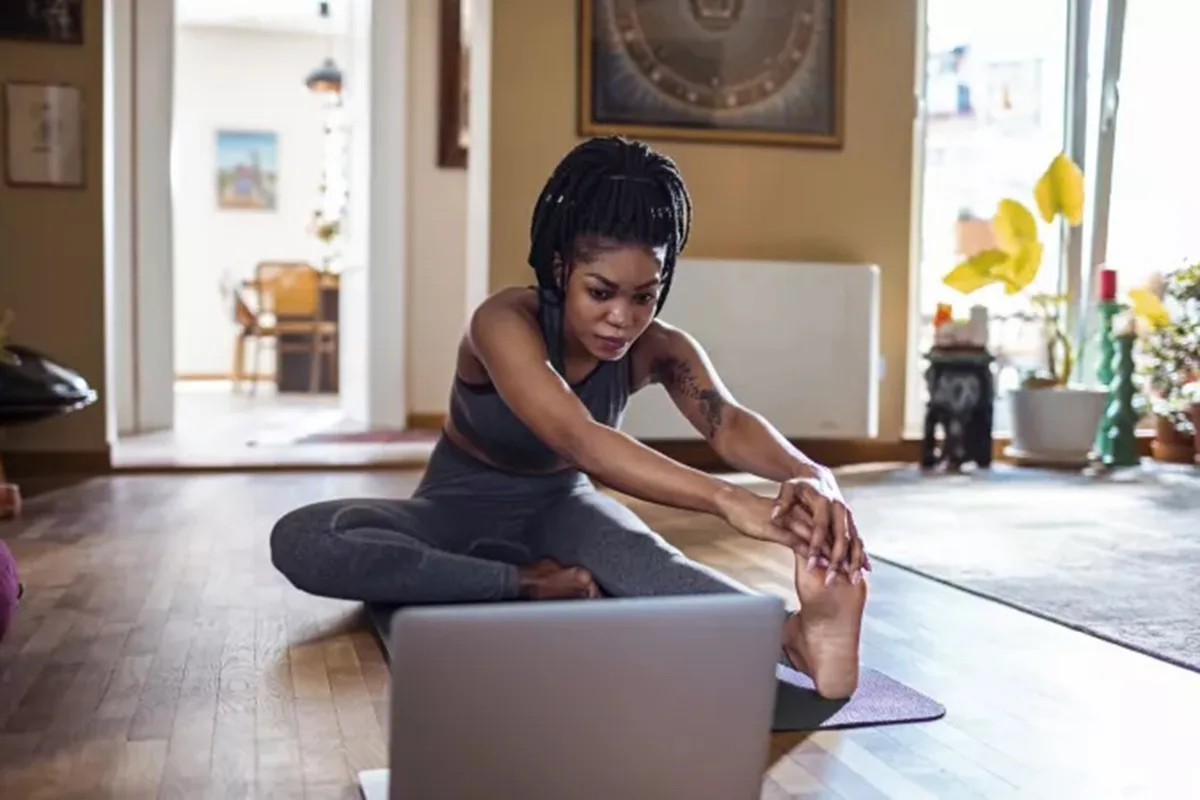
(1115,556)
(384,436)
(879,700)
(338,434)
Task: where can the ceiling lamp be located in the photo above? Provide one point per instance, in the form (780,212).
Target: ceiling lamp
(327,78)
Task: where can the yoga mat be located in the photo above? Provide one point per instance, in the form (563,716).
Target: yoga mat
(879,700)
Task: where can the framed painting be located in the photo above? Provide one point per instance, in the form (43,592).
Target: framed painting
(44,132)
(453,83)
(247,170)
(729,71)
(42,21)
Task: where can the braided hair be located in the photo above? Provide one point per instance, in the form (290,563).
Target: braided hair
(606,191)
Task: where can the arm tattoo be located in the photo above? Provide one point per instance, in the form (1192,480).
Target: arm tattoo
(678,376)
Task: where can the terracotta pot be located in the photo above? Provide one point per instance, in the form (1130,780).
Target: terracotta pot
(1171,445)
(1196,428)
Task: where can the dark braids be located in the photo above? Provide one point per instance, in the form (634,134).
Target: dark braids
(606,190)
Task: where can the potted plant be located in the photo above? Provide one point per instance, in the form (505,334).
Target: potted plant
(1053,420)
(1168,359)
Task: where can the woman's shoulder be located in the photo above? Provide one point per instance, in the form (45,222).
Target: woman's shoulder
(661,338)
(500,310)
(522,299)
(657,344)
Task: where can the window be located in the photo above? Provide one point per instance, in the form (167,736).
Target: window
(996,91)
(1154,209)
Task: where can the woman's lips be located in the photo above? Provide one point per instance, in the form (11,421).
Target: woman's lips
(612,343)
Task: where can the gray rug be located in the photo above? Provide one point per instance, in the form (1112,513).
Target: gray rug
(1116,556)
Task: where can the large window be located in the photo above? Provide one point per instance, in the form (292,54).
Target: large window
(996,86)
(1006,87)
(1154,211)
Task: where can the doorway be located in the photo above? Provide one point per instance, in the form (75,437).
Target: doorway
(243,255)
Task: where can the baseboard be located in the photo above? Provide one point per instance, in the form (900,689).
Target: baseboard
(23,466)
(425,420)
(838,452)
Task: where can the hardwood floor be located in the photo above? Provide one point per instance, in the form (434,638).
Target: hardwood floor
(159,654)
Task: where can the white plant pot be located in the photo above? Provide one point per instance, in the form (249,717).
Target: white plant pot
(1055,426)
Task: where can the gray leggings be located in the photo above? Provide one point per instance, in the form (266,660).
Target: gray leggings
(465,532)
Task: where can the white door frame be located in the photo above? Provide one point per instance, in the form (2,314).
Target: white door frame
(138,103)
(1101,198)
(139,78)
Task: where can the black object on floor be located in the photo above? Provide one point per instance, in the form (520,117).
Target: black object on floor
(879,700)
(34,387)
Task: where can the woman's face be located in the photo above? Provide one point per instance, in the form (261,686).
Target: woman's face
(610,299)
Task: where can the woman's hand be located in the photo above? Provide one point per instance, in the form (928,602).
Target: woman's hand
(834,533)
(755,516)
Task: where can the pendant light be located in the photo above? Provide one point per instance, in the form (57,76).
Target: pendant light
(327,78)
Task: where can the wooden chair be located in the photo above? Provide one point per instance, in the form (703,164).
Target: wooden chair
(288,302)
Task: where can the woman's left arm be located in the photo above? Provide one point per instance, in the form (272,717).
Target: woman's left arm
(746,441)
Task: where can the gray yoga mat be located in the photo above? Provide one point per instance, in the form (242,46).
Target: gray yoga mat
(879,700)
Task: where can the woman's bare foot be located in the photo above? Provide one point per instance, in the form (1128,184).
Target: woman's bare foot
(546,579)
(822,640)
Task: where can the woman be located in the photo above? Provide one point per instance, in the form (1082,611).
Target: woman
(506,508)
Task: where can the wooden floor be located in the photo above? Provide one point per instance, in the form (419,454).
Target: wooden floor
(158,654)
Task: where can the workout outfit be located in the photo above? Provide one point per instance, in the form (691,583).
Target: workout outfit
(469,526)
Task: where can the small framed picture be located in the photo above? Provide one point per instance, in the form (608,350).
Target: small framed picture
(247,170)
(43,131)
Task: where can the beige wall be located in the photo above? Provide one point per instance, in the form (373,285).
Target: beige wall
(52,244)
(750,202)
(437,209)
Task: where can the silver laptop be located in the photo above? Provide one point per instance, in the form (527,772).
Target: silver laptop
(631,698)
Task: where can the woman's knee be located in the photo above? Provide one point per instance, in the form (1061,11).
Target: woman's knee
(296,542)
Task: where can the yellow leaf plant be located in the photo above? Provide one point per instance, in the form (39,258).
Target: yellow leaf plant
(1017,257)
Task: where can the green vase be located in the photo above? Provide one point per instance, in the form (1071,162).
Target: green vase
(1104,369)
(1120,417)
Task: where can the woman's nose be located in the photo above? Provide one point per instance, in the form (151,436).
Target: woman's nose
(618,314)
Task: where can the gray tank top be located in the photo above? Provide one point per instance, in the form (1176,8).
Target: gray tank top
(483,417)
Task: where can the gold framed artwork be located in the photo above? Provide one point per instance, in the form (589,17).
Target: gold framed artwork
(453,83)
(727,71)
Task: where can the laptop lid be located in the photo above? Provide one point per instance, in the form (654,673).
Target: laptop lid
(626,698)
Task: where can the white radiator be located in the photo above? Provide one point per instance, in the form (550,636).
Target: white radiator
(798,342)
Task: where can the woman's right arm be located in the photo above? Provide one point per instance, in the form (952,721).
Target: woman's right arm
(508,342)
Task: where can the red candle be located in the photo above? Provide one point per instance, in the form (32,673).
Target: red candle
(1108,284)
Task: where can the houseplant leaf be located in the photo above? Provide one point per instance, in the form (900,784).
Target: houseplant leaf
(977,271)
(1146,305)
(1013,226)
(1060,190)
(1020,268)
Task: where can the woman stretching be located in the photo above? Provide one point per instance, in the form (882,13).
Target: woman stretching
(507,509)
